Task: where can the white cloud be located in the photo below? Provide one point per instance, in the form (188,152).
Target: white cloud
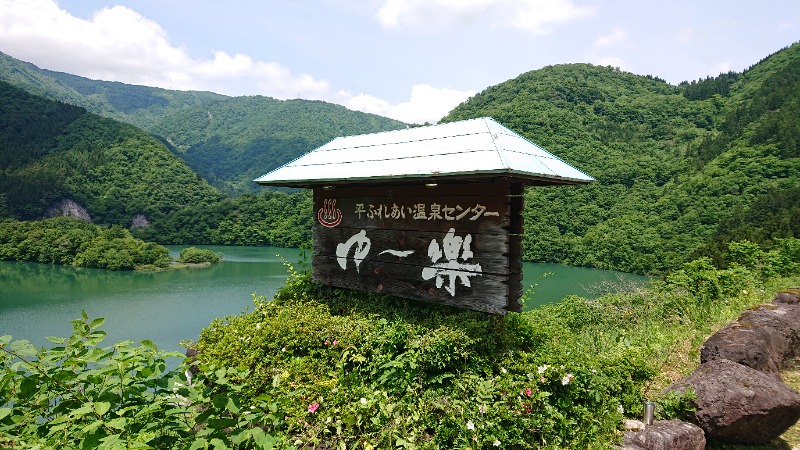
(720,67)
(119,44)
(612,61)
(428,104)
(536,16)
(616,37)
(539,16)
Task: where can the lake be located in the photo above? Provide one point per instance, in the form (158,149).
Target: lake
(38,300)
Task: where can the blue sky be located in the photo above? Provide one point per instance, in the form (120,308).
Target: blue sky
(412,60)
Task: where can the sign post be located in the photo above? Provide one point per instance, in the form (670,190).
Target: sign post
(446,243)
(431,213)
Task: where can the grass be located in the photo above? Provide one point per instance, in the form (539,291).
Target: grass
(685,357)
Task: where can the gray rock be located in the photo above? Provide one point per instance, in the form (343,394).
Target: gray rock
(139,220)
(790,296)
(68,207)
(666,435)
(763,338)
(737,404)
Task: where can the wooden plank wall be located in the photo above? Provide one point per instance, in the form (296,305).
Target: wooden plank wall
(445,244)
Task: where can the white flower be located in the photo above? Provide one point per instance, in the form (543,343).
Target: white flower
(482,409)
(363,401)
(620,409)
(541,369)
(258,326)
(496,443)
(503,369)
(283,349)
(470,425)
(567,378)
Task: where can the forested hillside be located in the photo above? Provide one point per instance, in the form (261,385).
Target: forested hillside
(236,140)
(228,141)
(51,151)
(137,105)
(681,170)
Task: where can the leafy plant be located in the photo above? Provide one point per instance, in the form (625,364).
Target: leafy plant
(194,255)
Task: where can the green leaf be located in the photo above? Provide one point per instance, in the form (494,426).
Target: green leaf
(92,427)
(4,412)
(199,443)
(97,322)
(149,344)
(22,348)
(57,340)
(218,444)
(118,423)
(101,408)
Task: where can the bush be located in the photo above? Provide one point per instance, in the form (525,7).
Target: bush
(194,255)
(70,241)
(365,371)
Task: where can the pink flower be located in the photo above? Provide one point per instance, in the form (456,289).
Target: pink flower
(312,408)
(528,392)
(335,342)
(326,342)
(567,378)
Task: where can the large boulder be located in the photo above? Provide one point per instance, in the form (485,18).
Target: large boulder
(790,296)
(763,338)
(737,404)
(666,435)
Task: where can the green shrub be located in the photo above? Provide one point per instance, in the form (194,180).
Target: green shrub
(70,241)
(194,255)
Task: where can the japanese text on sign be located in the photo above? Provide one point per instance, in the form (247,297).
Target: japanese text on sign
(423,211)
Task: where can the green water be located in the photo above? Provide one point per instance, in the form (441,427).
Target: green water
(38,300)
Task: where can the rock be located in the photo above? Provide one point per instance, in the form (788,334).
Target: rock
(666,435)
(633,425)
(738,404)
(790,296)
(139,220)
(763,338)
(68,207)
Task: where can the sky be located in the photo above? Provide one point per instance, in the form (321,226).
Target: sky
(411,60)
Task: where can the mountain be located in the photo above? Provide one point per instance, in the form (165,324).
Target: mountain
(137,105)
(52,151)
(681,170)
(227,140)
(236,140)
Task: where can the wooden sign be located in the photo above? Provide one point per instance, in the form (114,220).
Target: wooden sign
(456,244)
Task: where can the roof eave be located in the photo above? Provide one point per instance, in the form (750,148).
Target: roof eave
(523,177)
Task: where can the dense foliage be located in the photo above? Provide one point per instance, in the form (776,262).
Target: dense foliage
(54,151)
(232,142)
(138,105)
(69,241)
(228,141)
(326,368)
(194,255)
(271,218)
(681,171)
